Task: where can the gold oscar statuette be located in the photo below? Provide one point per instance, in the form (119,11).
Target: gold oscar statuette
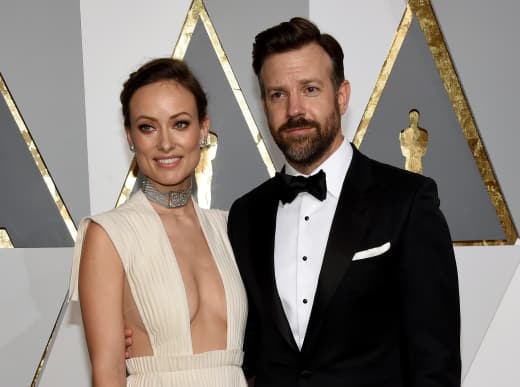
(414,142)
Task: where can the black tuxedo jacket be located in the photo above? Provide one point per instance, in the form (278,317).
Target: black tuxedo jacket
(389,320)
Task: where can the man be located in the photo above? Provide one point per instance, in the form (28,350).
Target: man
(352,284)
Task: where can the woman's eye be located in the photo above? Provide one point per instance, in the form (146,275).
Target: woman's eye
(145,128)
(181,124)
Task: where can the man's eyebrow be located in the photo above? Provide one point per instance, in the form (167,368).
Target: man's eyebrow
(311,80)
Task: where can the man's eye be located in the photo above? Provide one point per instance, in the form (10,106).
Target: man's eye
(181,124)
(312,89)
(276,95)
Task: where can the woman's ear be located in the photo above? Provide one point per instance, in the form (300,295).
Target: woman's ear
(129,139)
(204,128)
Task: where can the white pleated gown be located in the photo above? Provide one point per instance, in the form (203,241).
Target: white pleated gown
(158,291)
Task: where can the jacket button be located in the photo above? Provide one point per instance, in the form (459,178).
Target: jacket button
(305,374)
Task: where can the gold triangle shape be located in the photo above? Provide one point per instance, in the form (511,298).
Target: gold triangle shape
(5,241)
(424,13)
(198,10)
(33,149)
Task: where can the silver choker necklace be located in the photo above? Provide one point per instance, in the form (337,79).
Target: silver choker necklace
(172,199)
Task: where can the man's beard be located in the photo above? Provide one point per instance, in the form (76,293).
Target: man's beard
(307,149)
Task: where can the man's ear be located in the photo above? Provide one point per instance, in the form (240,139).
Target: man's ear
(343,96)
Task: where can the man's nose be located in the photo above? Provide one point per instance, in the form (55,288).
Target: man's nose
(295,106)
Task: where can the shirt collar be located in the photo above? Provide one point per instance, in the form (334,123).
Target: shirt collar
(335,168)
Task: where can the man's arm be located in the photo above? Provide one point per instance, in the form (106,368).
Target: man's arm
(236,233)
(429,296)
(251,348)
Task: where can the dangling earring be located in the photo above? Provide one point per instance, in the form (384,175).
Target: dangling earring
(203,143)
(132,148)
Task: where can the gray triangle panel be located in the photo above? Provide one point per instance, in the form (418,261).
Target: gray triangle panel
(238,166)
(415,83)
(27,209)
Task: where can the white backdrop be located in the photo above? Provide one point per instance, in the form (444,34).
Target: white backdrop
(118,36)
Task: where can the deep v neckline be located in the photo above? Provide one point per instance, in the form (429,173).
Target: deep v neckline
(185,305)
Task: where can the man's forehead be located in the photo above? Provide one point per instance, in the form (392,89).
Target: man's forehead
(309,61)
(284,82)
(300,77)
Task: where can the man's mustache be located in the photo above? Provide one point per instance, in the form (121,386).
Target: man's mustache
(298,122)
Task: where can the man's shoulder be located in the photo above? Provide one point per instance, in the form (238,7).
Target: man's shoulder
(253,200)
(263,190)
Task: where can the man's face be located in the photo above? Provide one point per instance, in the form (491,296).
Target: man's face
(303,109)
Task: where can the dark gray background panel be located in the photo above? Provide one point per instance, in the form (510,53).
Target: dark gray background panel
(41,60)
(482,37)
(27,209)
(415,83)
(237,22)
(237,167)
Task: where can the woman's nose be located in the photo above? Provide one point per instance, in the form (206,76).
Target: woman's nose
(166,141)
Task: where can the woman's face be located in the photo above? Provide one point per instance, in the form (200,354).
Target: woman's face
(166,133)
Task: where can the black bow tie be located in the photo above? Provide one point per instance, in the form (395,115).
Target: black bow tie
(290,186)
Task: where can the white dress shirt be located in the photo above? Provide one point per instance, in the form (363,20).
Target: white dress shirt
(302,231)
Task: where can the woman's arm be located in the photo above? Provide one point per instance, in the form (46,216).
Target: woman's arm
(101,279)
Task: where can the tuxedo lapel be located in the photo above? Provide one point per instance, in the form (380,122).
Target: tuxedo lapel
(263,232)
(348,229)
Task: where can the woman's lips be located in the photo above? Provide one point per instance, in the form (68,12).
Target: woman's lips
(168,162)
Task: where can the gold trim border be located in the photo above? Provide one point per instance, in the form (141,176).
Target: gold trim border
(198,10)
(49,182)
(5,240)
(431,30)
(129,183)
(237,91)
(48,346)
(388,64)
(33,149)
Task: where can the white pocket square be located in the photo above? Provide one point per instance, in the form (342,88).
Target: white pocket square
(369,253)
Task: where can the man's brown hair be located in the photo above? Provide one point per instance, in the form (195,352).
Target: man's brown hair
(292,35)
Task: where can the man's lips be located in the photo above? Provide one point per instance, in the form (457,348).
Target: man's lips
(297,130)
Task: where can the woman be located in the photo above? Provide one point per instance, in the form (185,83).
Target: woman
(159,264)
